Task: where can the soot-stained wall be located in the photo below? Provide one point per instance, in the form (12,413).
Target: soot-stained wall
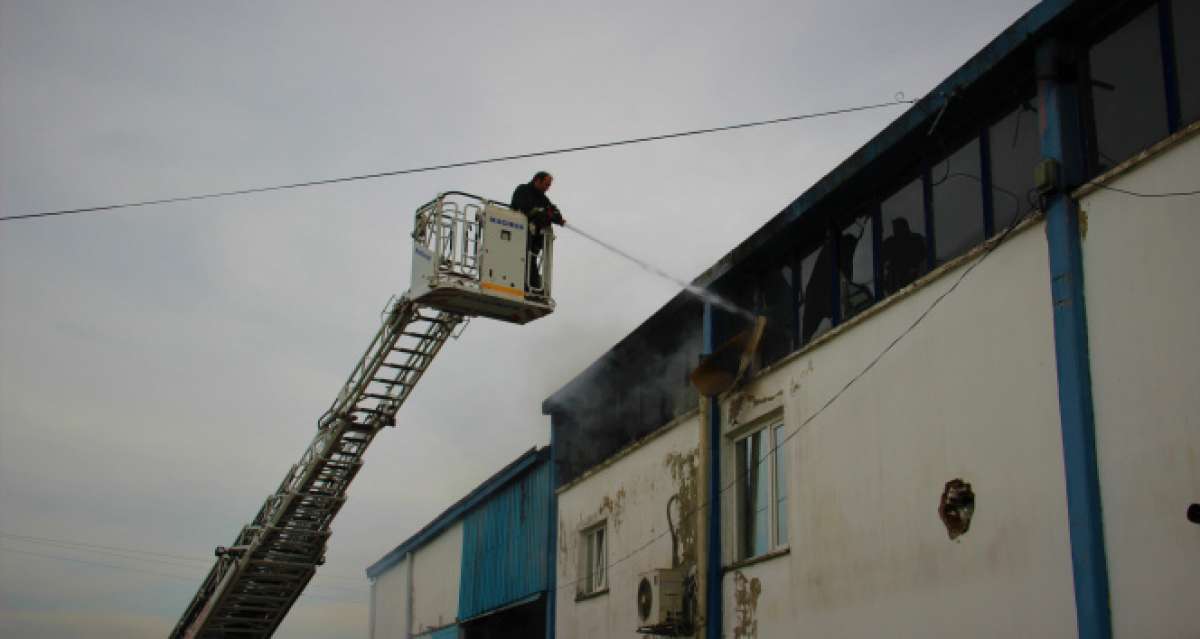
(635,388)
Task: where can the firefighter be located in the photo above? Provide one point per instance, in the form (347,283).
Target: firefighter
(530,199)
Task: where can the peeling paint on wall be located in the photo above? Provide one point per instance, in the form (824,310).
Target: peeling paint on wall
(745,599)
(685,474)
(743,400)
(613,508)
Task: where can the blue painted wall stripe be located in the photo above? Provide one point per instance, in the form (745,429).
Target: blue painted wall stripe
(1062,140)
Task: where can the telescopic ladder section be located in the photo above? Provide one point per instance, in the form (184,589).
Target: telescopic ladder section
(257,580)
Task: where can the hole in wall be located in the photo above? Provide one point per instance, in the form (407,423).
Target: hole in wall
(956,507)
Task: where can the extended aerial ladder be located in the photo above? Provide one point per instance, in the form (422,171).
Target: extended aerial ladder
(470,258)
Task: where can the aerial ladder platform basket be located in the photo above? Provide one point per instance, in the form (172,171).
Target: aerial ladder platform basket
(471,257)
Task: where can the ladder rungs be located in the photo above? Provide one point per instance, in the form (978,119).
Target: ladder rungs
(411,351)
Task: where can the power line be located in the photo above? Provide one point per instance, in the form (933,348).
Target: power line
(454,165)
(132,553)
(148,572)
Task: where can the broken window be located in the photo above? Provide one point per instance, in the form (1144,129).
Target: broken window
(1014,148)
(958,203)
(595,558)
(1129,101)
(761,491)
(815,293)
(856,274)
(903,256)
(775,303)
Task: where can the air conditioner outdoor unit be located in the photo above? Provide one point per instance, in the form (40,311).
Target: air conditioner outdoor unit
(660,597)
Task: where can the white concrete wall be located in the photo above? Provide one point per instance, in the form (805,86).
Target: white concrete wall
(1143,305)
(631,493)
(970,394)
(389,597)
(436,570)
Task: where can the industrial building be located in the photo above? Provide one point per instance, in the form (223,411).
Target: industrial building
(481,569)
(1019,462)
(971,409)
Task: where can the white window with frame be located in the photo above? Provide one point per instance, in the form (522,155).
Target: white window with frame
(761,467)
(593,571)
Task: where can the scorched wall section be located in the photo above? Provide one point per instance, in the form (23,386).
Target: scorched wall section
(629,497)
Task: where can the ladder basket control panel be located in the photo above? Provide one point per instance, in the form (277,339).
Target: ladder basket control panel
(478,257)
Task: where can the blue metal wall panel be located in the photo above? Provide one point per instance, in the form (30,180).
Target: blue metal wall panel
(504,556)
(449,632)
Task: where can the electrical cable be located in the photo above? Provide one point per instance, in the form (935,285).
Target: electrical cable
(899,99)
(130,568)
(990,246)
(135,555)
(129,553)
(1150,195)
(147,572)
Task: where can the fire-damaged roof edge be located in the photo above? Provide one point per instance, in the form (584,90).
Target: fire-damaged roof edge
(460,508)
(1036,22)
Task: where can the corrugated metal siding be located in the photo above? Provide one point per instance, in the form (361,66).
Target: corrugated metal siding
(504,554)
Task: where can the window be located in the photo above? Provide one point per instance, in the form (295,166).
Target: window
(1015,150)
(774,300)
(761,467)
(958,203)
(815,294)
(1128,93)
(595,560)
(857,271)
(903,256)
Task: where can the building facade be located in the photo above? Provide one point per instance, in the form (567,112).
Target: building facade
(481,569)
(971,412)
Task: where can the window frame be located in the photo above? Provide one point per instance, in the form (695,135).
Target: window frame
(588,584)
(775,430)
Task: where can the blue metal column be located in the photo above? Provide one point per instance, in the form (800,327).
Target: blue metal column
(1062,141)
(552,539)
(712,591)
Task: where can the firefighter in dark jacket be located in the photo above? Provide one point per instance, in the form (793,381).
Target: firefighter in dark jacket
(531,200)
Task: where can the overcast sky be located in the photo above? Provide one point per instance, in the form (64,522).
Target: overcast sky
(161,368)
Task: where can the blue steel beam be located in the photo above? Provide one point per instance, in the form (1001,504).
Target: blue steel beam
(712,591)
(1062,141)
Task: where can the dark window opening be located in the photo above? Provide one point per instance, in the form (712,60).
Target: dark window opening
(958,202)
(1129,101)
(1015,149)
(903,255)
(1186,17)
